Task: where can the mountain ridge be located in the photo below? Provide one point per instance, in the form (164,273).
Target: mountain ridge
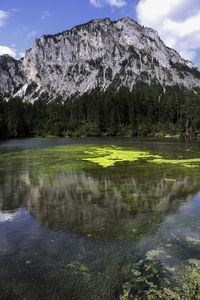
(97,54)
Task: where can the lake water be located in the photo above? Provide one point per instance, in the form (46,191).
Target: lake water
(99,219)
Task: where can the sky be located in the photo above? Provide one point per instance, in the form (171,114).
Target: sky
(177,21)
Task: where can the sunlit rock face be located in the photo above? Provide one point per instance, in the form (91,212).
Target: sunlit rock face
(11,75)
(99,54)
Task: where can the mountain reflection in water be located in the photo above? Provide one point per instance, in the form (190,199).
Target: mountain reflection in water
(106,207)
(70,227)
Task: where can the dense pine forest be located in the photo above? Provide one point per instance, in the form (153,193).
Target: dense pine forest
(146,111)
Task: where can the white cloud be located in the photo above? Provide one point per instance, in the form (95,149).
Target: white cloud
(45,15)
(11,51)
(21,54)
(101,3)
(117,3)
(31,34)
(177,22)
(97,3)
(7,50)
(3,16)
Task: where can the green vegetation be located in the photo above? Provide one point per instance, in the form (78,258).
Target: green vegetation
(73,157)
(108,156)
(145,111)
(166,283)
(189,163)
(113,227)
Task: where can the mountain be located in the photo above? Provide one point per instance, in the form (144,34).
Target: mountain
(99,54)
(12,78)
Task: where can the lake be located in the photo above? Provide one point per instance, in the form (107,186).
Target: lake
(105,218)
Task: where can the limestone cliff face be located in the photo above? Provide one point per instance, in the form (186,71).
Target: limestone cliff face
(99,54)
(11,75)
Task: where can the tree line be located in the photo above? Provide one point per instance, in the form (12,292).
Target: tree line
(145,111)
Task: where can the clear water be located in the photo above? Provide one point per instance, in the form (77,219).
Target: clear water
(73,229)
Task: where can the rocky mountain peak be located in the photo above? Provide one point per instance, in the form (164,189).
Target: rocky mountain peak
(99,54)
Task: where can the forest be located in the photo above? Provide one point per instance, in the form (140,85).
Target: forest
(145,111)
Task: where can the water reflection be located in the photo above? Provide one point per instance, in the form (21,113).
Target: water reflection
(8,217)
(103,205)
(67,230)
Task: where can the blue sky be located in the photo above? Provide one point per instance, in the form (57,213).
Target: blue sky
(177,21)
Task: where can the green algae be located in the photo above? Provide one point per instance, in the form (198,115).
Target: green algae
(150,280)
(83,268)
(146,275)
(108,156)
(74,157)
(154,270)
(188,163)
(47,161)
(170,179)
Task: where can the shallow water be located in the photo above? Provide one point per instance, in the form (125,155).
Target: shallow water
(99,219)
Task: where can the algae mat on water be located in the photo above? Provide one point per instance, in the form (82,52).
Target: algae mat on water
(108,156)
(74,156)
